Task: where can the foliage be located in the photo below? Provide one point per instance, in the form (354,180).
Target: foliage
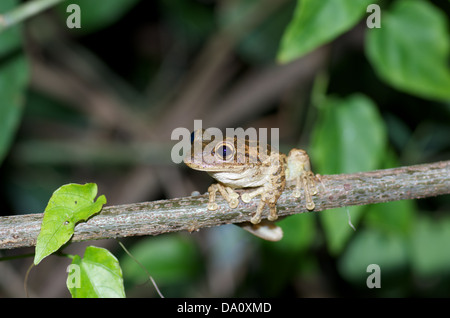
(137,69)
(349,136)
(316,23)
(68,205)
(100,275)
(397,60)
(13,81)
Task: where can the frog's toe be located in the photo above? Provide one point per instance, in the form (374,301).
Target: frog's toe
(272,217)
(296,193)
(212,206)
(256,219)
(310,205)
(233,203)
(246,198)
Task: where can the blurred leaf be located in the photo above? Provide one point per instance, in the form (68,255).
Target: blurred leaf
(396,217)
(68,205)
(169,259)
(430,252)
(318,22)
(100,275)
(13,81)
(373,247)
(411,49)
(392,217)
(96,15)
(298,232)
(260,44)
(11,38)
(349,136)
(193,19)
(281,261)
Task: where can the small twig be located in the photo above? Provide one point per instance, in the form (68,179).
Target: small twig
(24,12)
(190,213)
(143,267)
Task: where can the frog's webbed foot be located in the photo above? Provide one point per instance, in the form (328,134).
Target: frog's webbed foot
(248,196)
(228,194)
(272,215)
(307,181)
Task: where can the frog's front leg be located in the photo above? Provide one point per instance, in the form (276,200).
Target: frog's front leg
(309,184)
(228,194)
(299,168)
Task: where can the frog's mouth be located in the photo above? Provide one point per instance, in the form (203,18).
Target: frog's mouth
(202,167)
(214,169)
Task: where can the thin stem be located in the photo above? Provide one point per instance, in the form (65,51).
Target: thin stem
(143,267)
(24,12)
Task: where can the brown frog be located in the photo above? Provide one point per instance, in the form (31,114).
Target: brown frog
(242,163)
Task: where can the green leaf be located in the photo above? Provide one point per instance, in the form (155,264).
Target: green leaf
(96,275)
(411,49)
(370,246)
(350,136)
(430,252)
(298,232)
(169,259)
(68,205)
(14,74)
(318,22)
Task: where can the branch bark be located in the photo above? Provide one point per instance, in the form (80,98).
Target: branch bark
(191,214)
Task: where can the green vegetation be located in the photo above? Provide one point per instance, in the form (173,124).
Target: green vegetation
(363,99)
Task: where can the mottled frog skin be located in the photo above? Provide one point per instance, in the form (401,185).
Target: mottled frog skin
(242,163)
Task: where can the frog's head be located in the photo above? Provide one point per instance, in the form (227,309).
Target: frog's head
(215,153)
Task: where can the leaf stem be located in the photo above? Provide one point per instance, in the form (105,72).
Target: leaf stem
(64,255)
(142,266)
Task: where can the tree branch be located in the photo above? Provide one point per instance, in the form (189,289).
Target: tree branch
(190,213)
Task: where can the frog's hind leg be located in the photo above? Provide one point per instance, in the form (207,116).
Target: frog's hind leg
(228,194)
(257,217)
(273,212)
(248,196)
(272,216)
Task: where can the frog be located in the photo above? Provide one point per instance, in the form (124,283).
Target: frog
(242,163)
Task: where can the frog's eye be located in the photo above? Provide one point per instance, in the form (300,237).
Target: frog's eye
(192,137)
(224,151)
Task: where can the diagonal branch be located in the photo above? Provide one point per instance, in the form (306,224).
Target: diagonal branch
(190,213)
(24,11)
